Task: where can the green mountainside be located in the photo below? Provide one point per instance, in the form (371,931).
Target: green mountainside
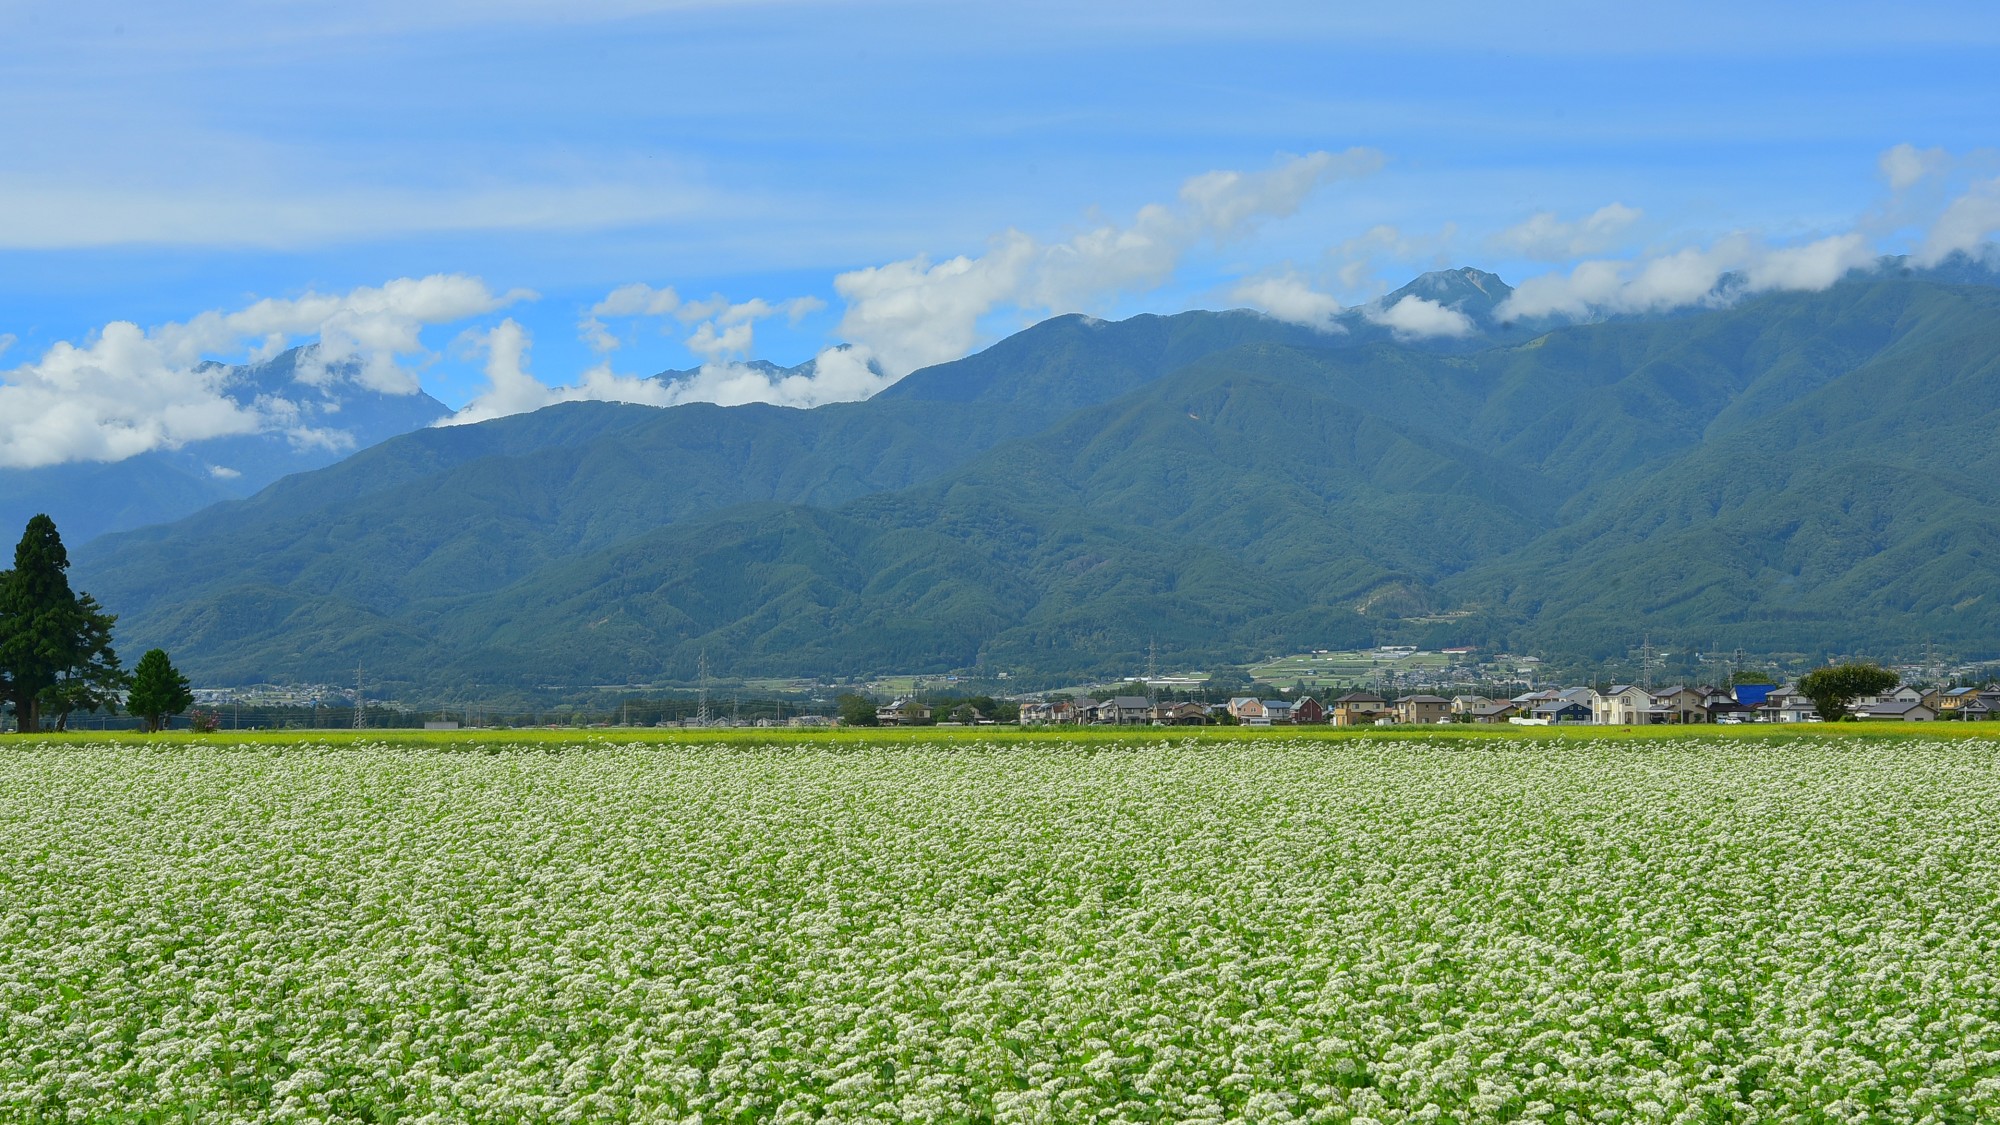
(1804,471)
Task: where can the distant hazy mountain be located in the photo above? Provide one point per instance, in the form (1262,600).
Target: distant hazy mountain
(90,498)
(1804,471)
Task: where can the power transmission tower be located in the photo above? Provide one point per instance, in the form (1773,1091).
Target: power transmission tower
(1646,663)
(1152,659)
(701,714)
(358,707)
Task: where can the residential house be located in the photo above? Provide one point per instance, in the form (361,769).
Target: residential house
(1423,709)
(1179,714)
(1625,705)
(1561,710)
(1360,709)
(1947,702)
(1493,712)
(1786,705)
(1279,711)
(1902,693)
(1896,710)
(1308,710)
(1249,711)
(1123,710)
(1681,704)
(1042,713)
(903,713)
(1723,707)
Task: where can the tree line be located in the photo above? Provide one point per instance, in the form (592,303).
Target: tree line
(56,654)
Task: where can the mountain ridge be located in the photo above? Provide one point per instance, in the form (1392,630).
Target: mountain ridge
(1279,488)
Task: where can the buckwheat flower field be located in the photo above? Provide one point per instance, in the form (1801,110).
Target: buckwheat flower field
(1677,931)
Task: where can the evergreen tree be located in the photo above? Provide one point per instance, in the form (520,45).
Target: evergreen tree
(159,691)
(92,684)
(45,631)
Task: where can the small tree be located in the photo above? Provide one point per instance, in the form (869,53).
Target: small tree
(856,710)
(159,691)
(1832,690)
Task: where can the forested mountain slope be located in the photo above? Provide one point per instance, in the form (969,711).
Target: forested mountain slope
(1796,470)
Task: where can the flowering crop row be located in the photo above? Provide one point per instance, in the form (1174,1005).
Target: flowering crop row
(1270,931)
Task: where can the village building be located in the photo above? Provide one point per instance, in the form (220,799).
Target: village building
(1361,709)
(1423,709)
(1249,711)
(902,713)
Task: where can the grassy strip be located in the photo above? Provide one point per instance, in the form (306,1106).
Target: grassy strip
(1001,735)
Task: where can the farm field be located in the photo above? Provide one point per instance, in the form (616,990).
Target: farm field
(1345,670)
(1735,927)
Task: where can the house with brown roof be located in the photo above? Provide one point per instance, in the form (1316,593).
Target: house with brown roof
(1680,704)
(1361,709)
(1423,709)
(1179,714)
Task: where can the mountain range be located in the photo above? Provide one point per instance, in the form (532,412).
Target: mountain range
(1793,471)
(328,416)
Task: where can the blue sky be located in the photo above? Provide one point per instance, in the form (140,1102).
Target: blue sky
(161,161)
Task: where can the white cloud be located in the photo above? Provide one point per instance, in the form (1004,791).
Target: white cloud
(727,328)
(836,375)
(1416,317)
(7,340)
(129,390)
(1290,298)
(223,472)
(636,299)
(1906,165)
(1546,237)
(1690,276)
(511,389)
(1966,225)
(916,312)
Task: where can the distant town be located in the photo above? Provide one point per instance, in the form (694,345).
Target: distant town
(1391,685)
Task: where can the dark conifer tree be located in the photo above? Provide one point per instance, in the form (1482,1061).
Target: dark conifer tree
(43,628)
(159,691)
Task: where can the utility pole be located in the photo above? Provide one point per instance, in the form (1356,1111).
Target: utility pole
(1646,663)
